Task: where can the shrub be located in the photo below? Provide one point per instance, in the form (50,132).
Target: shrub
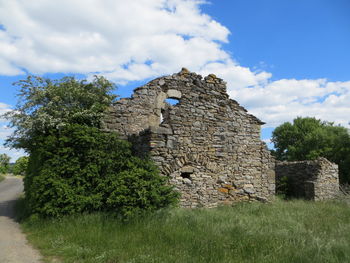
(20,166)
(82,169)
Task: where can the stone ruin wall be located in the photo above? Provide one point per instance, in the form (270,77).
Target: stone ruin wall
(313,180)
(207,145)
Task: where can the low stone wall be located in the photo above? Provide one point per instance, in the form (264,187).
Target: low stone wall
(313,180)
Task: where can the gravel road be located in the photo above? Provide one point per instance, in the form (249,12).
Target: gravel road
(14,247)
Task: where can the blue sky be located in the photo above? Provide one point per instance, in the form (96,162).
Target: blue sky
(281,58)
(294,38)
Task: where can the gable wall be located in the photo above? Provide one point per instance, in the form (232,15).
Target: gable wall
(207,144)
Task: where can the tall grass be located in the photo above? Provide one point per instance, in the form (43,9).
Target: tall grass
(2,177)
(293,231)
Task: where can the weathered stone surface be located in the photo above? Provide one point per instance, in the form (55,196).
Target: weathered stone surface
(161,130)
(207,145)
(187,169)
(314,180)
(174,94)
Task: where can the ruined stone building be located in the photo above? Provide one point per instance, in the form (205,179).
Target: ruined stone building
(311,180)
(207,144)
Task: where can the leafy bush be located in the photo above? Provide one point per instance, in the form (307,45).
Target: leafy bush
(82,169)
(73,166)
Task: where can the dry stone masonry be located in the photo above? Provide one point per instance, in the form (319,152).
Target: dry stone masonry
(207,144)
(313,180)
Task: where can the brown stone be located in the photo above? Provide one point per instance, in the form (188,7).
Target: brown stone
(223,190)
(206,145)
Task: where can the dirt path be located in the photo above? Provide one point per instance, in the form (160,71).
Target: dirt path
(13,244)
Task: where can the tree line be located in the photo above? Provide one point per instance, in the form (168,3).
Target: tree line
(17,168)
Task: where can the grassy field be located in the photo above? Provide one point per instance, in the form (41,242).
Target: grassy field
(283,231)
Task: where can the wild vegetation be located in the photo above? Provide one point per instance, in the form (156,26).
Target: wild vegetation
(309,138)
(4,163)
(73,165)
(82,169)
(88,199)
(282,231)
(20,166)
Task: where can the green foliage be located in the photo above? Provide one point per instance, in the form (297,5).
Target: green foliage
(46,104)
(309,138)
(20,166)
(4,163)
(81,169)
(282,188)
(282,232)
(73,166)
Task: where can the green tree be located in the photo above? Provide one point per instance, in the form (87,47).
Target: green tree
(309,138)
(4,163)
(20,166)
(73,165)
(46,104)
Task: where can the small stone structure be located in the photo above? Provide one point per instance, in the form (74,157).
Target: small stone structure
(207,144)
(313,180)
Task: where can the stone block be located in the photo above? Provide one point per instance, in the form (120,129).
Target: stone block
(187,169)
(223,190)
(174,94)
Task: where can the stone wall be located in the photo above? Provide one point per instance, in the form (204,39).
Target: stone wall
(207,145)
(313,180)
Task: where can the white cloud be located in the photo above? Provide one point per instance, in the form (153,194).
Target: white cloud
(279,101)
(139,39)
(14,154)
(237,77)
(3,109)
(5,131)
(107,36)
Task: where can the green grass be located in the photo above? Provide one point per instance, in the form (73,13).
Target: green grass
(293,231)
(2,177)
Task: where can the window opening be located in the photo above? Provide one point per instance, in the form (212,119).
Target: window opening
(172,101)
(186,175)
